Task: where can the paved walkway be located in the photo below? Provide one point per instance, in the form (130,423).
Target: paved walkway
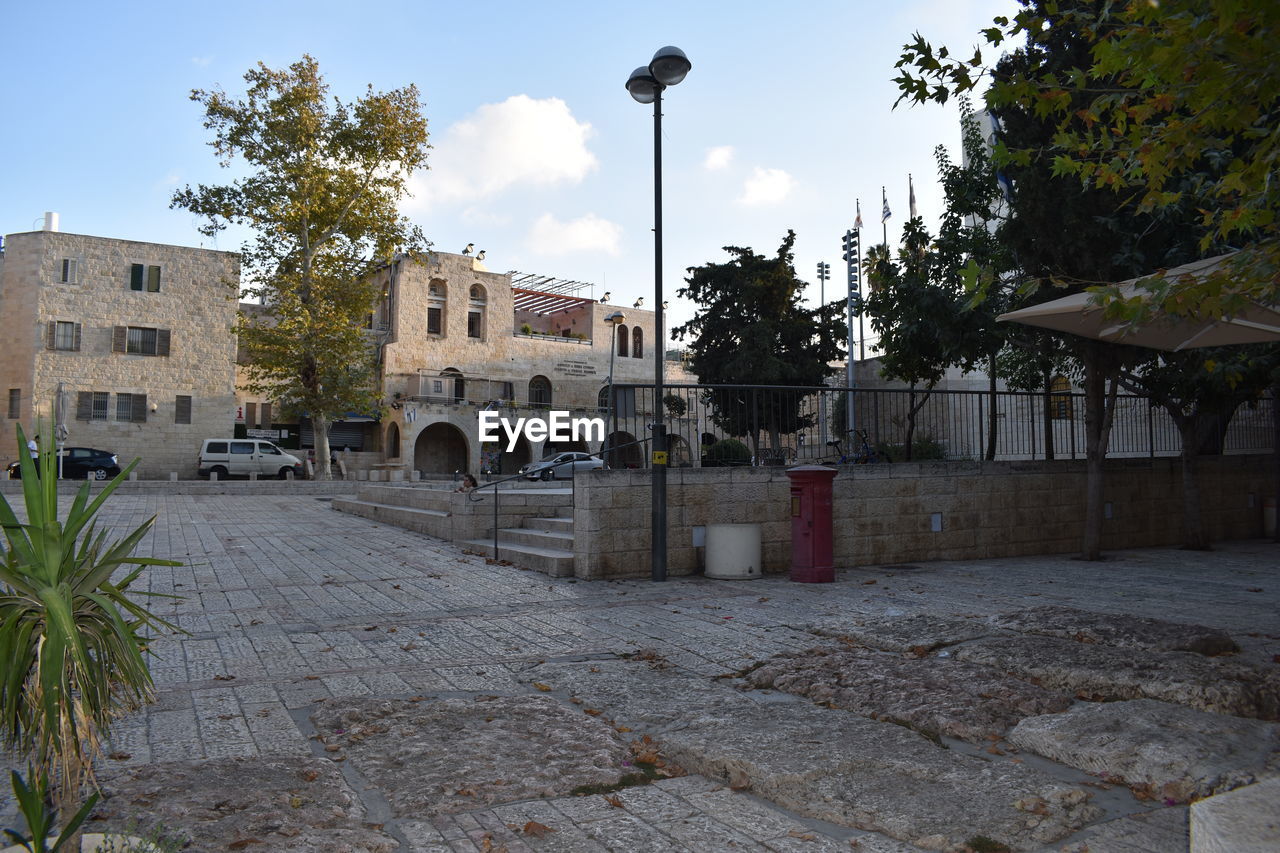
(287,603)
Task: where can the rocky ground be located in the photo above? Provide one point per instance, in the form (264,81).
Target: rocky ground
(432,701)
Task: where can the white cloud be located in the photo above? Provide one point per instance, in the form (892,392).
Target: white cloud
(718,158)
(590,233)
(201,61)
(766,186)
(521,141)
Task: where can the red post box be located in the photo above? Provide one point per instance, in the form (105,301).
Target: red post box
(811,524)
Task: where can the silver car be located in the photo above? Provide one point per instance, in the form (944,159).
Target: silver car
(562,466)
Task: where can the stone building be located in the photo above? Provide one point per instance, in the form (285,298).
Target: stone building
(136,335)
(457,339)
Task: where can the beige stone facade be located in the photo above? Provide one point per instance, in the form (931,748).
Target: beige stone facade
(139,335)
(457,338)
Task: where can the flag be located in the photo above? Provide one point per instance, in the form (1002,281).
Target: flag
(886,213)
(911,189)
(857,223)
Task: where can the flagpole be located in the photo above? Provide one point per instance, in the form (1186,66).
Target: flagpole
(884,220)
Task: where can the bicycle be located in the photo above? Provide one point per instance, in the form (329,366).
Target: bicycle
(864,455)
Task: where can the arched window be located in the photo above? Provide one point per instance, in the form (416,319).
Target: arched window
(540,392)
(624,338)
(1060,398)
(637,342)
(602,399)
(475,312)
(435,307)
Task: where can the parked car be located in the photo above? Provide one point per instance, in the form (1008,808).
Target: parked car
(562,466)
(79,463)
(240,457)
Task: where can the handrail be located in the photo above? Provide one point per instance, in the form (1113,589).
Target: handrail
(497,499)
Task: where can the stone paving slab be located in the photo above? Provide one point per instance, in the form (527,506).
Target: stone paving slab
(916,634)
(1245,820)
(1135,632)
(936,696)
(1173,752)
(1156,831)
(829,764)
(1104,674)
(299,805)
(443,756)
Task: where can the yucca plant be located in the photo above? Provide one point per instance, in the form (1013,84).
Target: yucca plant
(71,639)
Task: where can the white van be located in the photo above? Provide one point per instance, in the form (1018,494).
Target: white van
(240,457)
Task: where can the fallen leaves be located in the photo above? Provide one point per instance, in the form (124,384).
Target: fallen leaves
(545,688)
(614,800)
(537,830)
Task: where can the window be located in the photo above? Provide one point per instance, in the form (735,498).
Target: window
(242,448)
(477,295)
(637,342)
(1060,398)
(15,403)
(143,277)
(216,447)
(540,392)
(138,340)
(434,318)
(63,336)
(92,406)
(182,410)
(624,338)
(265,411)
(435,290)
(475,324)
(251,415)
(602,399)
(131,408)
(70,271)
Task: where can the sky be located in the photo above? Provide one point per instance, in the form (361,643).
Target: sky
(539,155)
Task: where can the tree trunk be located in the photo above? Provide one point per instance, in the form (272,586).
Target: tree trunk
(1099,408)
(320,428)
(912,411)
(993,421)
(1194,537)
(1048,415)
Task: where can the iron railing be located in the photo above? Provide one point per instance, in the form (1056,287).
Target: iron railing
(783,425)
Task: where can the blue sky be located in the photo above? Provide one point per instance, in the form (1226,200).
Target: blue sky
(540,156)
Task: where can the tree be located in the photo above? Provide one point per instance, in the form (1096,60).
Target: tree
(1170,104)
(752,329)
(324,181)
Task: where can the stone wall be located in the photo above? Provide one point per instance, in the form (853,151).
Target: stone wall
(885,513)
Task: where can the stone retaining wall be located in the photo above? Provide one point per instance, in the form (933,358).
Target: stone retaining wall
(885,513)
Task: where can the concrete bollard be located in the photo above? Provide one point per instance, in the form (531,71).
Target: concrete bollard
(253,475)
(288,475)
(173,476)
(133,476)
(213,476)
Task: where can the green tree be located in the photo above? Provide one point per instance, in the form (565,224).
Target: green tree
(751,328)
(1166,105)
(324,179)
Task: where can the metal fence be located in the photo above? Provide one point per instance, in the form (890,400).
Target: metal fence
(785,425)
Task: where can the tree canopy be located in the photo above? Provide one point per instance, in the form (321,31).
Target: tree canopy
(320,195)
(751,328)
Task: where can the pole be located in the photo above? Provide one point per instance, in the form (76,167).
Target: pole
(862,337)
(613,404)
(658,521)
(884,221)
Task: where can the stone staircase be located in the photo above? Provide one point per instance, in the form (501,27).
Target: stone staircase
(544,544)
(535,522)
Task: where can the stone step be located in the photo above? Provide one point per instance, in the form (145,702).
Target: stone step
(432,522)
(552,539)
(559,525)
(556,562)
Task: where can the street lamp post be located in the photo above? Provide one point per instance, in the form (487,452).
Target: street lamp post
(614,320)
(646,84)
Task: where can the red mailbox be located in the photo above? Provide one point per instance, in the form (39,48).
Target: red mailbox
(811,524)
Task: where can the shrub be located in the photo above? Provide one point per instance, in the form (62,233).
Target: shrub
(726,452)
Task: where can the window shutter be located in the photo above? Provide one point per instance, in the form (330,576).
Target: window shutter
(119,338)
(84,406)
(51,336)
(139,413)
(153,279)
(76,345)
(266,416)
(162,341)
(136,273)
(182,410)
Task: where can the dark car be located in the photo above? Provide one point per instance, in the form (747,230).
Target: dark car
(79,463)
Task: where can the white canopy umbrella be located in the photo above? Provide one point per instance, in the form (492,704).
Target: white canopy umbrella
(1077,315)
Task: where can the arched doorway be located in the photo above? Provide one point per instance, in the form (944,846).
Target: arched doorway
(440,449)
(627,455)
(539,393)
(510,461)
(453,377)
(392,446)
(678,455)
